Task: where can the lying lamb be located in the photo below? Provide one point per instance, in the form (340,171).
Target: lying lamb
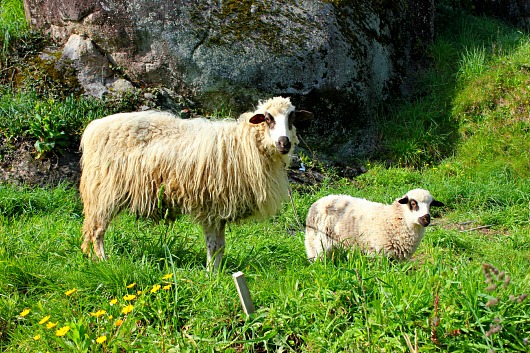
(395,230)
(215,171)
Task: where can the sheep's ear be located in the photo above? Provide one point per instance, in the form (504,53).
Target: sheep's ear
(404,200)
(437,203)
(303,115)
(257,119)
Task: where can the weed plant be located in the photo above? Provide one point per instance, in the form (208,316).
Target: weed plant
(52,123)
(465,138)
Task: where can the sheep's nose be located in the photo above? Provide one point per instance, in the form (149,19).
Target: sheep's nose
(425,220)
(283,145)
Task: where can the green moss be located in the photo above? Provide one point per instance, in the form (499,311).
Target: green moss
(229,102)
(242,21)
(41,74)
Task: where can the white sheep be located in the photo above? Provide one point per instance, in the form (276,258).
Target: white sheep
(156,164)
(394,230)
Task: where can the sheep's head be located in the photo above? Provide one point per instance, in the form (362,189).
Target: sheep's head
(418,206)
(281,117)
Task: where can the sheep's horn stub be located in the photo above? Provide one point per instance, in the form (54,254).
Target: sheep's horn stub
(425,220)
(283,145)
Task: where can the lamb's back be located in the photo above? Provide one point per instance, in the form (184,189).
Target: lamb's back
(350,220)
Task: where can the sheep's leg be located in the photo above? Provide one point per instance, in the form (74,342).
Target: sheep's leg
(94,232)
(98,237)
(215,245)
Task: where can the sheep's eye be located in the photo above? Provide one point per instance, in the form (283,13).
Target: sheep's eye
(269,118)
(414,205)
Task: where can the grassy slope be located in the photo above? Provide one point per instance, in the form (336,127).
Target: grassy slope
(471,121)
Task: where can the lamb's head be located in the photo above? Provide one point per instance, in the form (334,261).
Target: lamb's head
(280,116)
(417,207)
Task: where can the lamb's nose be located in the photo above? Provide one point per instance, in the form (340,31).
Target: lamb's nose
(425,220)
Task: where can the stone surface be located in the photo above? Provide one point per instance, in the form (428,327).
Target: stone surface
(91,66)
(340,59)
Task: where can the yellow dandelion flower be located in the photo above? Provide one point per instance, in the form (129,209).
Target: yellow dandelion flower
(168,287)
(129,297)
(24,312)
(127,309)
(139,292)
(155,288)
(36,337)
(101,339)
(62,331)
(51,324)
(99,313)
(110,317)
(113,301)
(131,285)
(168,276)
(70,292)
(44,320)
(118,322)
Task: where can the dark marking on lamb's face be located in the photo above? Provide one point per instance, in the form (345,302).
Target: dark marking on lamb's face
(417,206)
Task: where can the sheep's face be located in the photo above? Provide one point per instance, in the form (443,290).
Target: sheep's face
(280,119)
(418,204)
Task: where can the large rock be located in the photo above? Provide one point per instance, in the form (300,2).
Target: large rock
(340,59)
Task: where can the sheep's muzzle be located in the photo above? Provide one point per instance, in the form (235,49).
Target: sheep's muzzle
(283,145)
(424,220)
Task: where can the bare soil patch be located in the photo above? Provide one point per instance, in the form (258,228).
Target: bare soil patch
(19,166)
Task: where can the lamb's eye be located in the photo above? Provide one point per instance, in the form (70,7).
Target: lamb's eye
(414,205)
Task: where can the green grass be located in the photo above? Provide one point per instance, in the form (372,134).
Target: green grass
(464,137)
(13,25)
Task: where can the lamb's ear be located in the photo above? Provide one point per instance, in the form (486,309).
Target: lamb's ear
(437,203)
(257,119)
(404,200)
(302,115)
